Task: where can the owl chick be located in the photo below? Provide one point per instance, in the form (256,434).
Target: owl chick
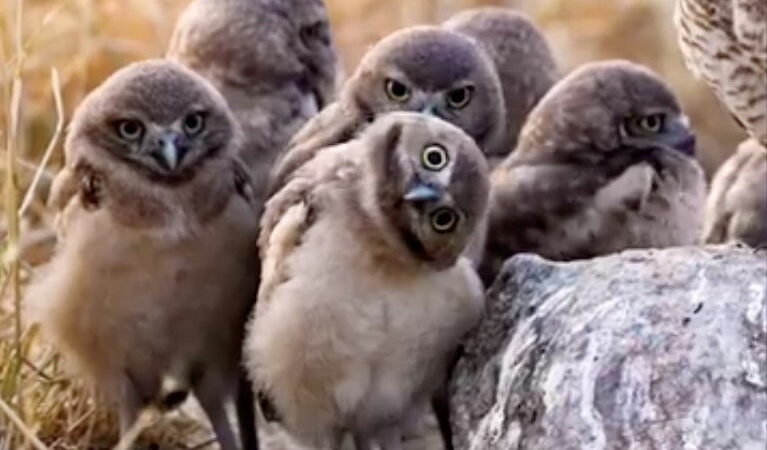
(149,292)
(524,61)
(724,42)
(425,69)
(274,62)
(364,293)
(737,204)
(604,163)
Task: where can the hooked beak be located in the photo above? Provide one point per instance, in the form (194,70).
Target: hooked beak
(171,150)
(422,192)
(680,137)
(431,108)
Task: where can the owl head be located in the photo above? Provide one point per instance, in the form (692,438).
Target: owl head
(259,46)
(606,109)
(156,117)
(436,72)
(427,186)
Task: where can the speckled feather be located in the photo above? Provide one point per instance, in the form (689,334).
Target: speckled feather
(724,42)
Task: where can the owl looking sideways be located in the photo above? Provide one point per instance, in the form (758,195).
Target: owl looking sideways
(273,61)
(423,69)
(364,292)
(724,42)
(604,163)
(150,287)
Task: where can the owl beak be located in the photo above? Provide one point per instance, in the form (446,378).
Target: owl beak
(680,137)
(428,109)
(422,192)
(171,150)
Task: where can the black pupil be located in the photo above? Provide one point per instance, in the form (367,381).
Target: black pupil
(435,158)
(398,89)
(458,96)
(193,122)
(443,219)
(130,128)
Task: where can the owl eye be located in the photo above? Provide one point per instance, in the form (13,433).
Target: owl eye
(444,220)
(646,125)
(434,157)
(194,123)
(130,130)
(397,91)
(460,97)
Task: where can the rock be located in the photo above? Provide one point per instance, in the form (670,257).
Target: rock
(658,349)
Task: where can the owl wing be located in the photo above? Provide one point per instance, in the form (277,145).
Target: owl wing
(559,210)
(750,26)
(737,203)
(333,125)
(717,211)
(293,210)
(74,188)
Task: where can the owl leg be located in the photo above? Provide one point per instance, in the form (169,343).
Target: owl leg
(246,413)
(391,439)
(363,442)
(129,409)
(441,404)
(214,393)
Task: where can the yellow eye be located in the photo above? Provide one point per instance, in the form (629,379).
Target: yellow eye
(646,125)
(444,220)
(434,157)
(397,91)
(130,130)
(194,123)
(460,97)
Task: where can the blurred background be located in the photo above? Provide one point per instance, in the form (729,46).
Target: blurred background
(85,40)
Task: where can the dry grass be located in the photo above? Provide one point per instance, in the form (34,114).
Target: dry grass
(52,52)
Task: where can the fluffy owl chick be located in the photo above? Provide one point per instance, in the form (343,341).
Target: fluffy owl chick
(724,42)
(364,293)
(425,69)
(148,293)
(604,163)
(737,204)
(524,61)
(274,62)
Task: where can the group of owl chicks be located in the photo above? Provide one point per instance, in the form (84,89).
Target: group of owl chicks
(229,225)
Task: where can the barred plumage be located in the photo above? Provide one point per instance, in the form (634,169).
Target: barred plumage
(724,42)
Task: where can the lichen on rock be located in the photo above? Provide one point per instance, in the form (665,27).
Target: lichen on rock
(652,349)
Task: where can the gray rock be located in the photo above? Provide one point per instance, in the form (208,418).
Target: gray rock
(661,350)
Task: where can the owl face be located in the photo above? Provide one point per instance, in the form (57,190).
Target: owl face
(156,117)
(609,107)
(434,72)
(431,183)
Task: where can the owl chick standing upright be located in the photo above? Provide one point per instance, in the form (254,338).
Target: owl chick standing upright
(524,61)
(364,292)
(423,69)
(604,163)
(149,291)
(273,61)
